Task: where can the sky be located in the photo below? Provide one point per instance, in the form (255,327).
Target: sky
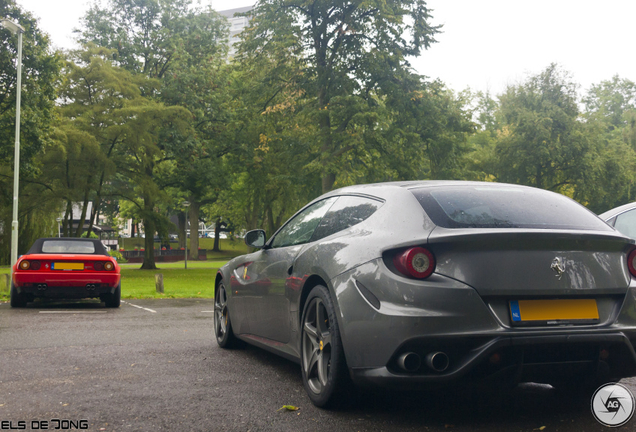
(485,45)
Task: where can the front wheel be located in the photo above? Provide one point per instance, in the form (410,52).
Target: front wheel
(17,300)
(222,325)
(323,365)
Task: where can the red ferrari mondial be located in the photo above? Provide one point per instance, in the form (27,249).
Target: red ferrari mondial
(66,268)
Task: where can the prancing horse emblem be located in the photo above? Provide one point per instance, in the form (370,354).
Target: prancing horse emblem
(558,267)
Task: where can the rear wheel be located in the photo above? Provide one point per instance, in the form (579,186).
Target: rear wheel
(322,361)
(222,325)
(18,300)
(113,300)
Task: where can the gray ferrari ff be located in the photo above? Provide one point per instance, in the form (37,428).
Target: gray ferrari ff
(424,284)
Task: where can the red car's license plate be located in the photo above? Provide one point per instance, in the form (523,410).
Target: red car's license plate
(67,266)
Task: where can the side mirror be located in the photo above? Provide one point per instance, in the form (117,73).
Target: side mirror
(255,238)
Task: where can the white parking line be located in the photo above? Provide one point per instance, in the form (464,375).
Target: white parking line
(139,307)
(73,312)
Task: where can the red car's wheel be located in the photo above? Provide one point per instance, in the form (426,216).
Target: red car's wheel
(17,300)
(113,300)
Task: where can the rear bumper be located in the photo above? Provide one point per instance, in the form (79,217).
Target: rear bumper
(63,284)
(545,358)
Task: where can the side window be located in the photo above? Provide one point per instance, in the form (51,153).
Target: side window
(626,223)
(346,212)
(301,227)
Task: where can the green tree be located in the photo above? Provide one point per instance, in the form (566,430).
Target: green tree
(40,67)
(542,143)
(340,54)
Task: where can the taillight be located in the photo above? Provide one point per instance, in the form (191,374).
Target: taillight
(24,265)
(99,266)
(416,262)
(109,266)
(631,262)
(35,265)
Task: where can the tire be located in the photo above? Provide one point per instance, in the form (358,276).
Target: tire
(323,365)
(222,325)
(17,300)
(114,300)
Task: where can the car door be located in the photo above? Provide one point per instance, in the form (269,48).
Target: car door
(268,304)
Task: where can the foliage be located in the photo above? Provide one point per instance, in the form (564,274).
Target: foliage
(337,56)
(40,68)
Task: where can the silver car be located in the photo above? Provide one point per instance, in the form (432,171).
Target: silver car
(423,284)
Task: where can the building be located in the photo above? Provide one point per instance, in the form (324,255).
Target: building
(237,24)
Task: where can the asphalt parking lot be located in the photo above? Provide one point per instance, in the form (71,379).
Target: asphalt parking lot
(153,365)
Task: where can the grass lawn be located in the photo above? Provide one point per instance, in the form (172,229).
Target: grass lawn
(195,282)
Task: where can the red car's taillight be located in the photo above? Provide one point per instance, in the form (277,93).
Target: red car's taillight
(415,262)
(24,265)
(631,262)
(108,266)
(99,266)
(35,265)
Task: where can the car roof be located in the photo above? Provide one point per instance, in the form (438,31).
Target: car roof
(616,211)
(100,249)
(381,189)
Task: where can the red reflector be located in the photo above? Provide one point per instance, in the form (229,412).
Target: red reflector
(631,262)
(416,262)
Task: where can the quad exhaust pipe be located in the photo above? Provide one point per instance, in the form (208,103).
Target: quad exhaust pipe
(41,287)
(91,287)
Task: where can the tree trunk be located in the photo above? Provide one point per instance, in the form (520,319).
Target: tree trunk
(193,249)
(182,229)
(80,223)
(218,228)
(149,230)
(68,219)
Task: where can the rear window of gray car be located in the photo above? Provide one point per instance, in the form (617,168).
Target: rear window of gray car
(504,207)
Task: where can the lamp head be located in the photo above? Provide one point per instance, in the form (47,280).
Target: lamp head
(10,25)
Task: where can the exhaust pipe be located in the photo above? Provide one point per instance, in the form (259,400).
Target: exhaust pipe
(42,287)
(90,287)
(409,361)
(438,361)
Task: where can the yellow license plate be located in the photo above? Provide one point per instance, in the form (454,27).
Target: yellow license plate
(553,310)
(67,266)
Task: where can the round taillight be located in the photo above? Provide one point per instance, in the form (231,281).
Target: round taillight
(98,266)
(35,265)
(416,262)
(24,265)
(109,266)
(631,262)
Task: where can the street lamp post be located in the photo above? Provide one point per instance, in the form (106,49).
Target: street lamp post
(186,204)
(59,229)
(16,29)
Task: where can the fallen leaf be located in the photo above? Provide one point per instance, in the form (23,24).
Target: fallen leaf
(541,428)
(288,408)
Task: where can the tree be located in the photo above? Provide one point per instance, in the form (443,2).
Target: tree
(341,53)
(40,67)
(542,143)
